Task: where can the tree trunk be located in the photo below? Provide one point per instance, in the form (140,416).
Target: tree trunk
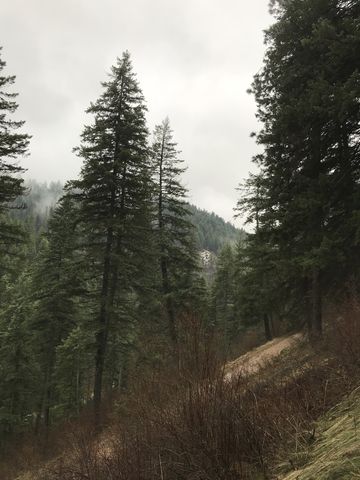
(169,303)
(307,294)
(77,387)
(316,303)
(163,263)
(267,327)
(109,283)
(99,370)
(102,333)
(47,391)
(47,411)
(317,219)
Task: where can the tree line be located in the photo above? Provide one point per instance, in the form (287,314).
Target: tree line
(116,263)
(303,202)
(302,205)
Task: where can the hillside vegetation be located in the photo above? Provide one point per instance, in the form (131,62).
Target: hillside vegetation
(212,232)
(297,422)
(336,451)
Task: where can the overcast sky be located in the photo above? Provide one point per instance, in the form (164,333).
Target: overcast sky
(194,59)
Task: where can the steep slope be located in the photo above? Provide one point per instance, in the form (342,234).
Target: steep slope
(336,453)
(212,231)
(270,414)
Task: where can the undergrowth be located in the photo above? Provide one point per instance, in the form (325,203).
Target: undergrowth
(190,423)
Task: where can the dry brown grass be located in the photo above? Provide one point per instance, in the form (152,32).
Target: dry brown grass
(190,423)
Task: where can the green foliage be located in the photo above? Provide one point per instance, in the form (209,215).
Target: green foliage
(224,297)
(305,196)
(57,282)
(16,366)
(212,232)
(72,370)
(19,373)
(12,143)
(86,291)
(174,231)
(114,201)
(12,146)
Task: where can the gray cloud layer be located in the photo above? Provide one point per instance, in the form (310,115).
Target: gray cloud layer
(194,60)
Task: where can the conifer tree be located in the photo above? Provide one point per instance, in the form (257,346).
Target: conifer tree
(306,194)
(113,193)
(174,229)
(224,296)
(13,145)
(19,372)
(57,283)
(15,369)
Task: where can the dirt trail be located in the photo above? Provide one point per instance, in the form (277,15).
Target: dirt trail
(252,361)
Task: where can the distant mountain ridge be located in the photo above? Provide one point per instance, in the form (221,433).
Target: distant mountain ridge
(212,231)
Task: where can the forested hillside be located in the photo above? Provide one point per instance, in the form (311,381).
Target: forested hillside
(212,232)
(114,344)
(39,199)
(96,276)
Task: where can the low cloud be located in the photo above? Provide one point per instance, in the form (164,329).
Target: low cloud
(194,60)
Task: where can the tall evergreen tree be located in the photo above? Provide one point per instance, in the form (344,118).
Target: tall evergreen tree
(19,373)
(113,194)
(173,226)
(306,194)
(58,281)
(13,145)
(15,365)
(224,296)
